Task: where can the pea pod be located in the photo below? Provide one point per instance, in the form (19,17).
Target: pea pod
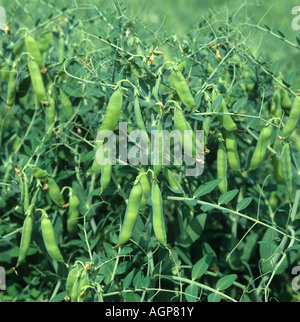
(207,123)
(37,82)
(67,107)
(172,181)
(285,99)
(80,286)
(131,214)
(40,174)
(61,47)
(83,287)
(50,114)
(138,115)
(113,111)
(261,147)
(286,166)
(71,279)
(158,163)
(293,119)
(222,167)
(33,49)
(226,118)
(276,163)
(12,87)
(232,151)
(182,89)
(25,239)
(45,40)
(4,73)
(188,136)
(158,215)
(275,107)
(54,192)
(73,213)
(106,172)
(109,123)
(146,188)
(49,239)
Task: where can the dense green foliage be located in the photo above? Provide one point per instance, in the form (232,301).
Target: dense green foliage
(232,233)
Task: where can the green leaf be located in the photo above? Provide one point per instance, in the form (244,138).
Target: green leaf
(127,280)
(238,105)
(201,267)
(206,188)
(243,204)
(191,293)
(227,196)
(123,267)
(216,104)
(226,281)
(214,297)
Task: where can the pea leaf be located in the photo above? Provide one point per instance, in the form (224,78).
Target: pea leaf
(206,188)
(226,281)
(191,293)
(201,267)
(214,297)
(227,196)
(216,104)
(243,204)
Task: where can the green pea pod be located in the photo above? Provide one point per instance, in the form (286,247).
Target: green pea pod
(293,119)
(261,147)
(18,47)
(33,49)
(109,123)
(106,171)
(136,70)
(25,239)
(158,215)
(12,87)
(40,174)
(113,111)
(157,87)
(4,73)
(226,118)
(182,89)
(75,289)
(54,193)
(45,41)
(232,151)
(275,108)
(206,126)
(83,287)
(73,213)
(276,163)
(189,141)
(286,166)
(222,167)
(67,107)
(172,181)
(159,163)
(285,99)
(71,279)
(131,214)
(138,115)
(50,114)
(146,188)
(37,82)
(49,239)
(61,47)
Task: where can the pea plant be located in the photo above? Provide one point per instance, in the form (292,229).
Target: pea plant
(81,221)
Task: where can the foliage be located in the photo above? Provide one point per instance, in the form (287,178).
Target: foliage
(237,245)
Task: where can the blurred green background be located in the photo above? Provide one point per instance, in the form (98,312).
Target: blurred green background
(178,17)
